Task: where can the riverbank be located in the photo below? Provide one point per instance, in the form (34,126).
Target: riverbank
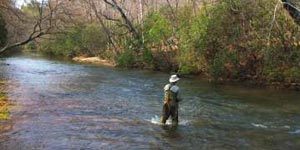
(94,60)
(285,86)
(4,103)
(250,82)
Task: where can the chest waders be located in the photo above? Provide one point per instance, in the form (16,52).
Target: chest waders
(170,107)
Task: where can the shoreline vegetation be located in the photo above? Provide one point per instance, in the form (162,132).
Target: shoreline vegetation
(274,85)
(4,103)
(254,42)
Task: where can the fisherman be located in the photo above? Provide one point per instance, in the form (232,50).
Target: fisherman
(172,97)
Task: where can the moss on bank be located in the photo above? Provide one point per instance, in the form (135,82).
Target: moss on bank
(4,103)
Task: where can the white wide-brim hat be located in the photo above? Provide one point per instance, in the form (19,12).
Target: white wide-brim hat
(174,78)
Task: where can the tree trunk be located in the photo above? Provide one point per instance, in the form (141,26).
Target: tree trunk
(141,8)
(128,23)
(106,30)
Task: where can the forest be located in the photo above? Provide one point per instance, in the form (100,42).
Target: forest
(221,40)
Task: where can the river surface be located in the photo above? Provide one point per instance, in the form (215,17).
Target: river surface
(60,105)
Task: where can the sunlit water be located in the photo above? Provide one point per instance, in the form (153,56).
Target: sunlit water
(63,105)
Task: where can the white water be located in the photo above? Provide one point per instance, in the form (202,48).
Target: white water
(295,132)
(156,120)
(259,125)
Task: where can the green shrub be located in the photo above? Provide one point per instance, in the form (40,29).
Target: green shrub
(30,46)
(227,39)
(236,34)
(147,56)
(217,65)
(273,75)
(156,28)
(86,40)
(126,59)
(292,74)
(191,32)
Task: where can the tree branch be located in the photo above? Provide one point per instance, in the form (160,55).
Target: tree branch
(42,26)
(131,28)
(273,20)
(106,30)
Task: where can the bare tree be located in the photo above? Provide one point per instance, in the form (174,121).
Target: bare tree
(141,21)
(107,31)
(28,28)
(127,21)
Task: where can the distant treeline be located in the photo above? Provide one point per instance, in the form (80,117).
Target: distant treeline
(238,40)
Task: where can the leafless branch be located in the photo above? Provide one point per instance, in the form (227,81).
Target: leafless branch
(43,25)
(129,24)
(274,19)
(106,30)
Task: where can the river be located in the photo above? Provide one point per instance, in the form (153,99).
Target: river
(64,105)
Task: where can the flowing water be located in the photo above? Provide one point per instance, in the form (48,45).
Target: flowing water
(63,105)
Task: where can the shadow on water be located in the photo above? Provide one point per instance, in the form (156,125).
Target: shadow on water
(64,105)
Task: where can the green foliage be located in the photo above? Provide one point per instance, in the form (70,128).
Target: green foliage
(273,74)
(30,46)
(292,74)
(217,66)
(4,103)
(158,35)
(126,59)
(93,38)
(3,32)
(231,39)
(188,61)
(79,40)
(191,32)
(2,95)
(224,40)
(287,75)
(156,27)
(147,56)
